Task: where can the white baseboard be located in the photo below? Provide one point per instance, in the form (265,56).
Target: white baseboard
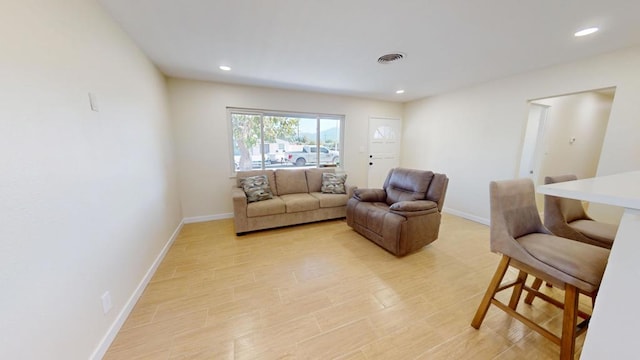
(197,219)
(467,216)
(122,316)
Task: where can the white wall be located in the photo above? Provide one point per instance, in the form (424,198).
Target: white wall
(581,117)
(87,199)
(475,135)
(198,110)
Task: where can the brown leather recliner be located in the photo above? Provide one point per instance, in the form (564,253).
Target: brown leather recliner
(404,215)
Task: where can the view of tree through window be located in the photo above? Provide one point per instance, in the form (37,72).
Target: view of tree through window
(275,140)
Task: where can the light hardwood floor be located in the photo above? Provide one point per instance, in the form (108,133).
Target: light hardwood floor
(321,291)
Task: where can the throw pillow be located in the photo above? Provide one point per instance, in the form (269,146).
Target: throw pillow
(333,183)
(257,188)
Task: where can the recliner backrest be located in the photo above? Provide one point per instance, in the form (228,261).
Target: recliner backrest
(438,189)
(407,185)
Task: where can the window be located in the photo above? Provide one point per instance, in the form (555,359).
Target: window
(269,139)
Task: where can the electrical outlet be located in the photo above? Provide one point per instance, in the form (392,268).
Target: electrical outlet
(106,302)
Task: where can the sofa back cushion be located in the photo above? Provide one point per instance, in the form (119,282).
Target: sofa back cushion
(269,173)
(407,184)
(314,178)
(291,181)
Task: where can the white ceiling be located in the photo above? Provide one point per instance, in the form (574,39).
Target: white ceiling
(332,46)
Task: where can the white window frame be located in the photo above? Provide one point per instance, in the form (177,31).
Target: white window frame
(292,114)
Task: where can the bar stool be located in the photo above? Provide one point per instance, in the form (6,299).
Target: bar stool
(567,218)
(525,244)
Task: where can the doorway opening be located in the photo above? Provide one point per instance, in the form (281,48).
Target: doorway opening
(564,135)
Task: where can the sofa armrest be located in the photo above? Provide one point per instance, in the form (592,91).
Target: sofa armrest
(350,190)
(239,200)
(370,195)
(414,208)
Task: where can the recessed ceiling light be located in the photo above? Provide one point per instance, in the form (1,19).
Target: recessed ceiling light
(225,68)
(585,32)
(399,91)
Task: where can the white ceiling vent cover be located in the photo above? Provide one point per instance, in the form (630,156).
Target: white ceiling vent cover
(389,58)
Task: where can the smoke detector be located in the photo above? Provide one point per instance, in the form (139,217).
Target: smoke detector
(389,58)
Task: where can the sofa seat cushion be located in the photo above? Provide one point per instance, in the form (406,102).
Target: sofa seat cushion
(300,202)
(376,217)
(266,207)
(330,200)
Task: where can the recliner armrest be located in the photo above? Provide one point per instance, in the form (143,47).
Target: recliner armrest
(370,195)
(414,207)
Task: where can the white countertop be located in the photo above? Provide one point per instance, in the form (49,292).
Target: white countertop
(620,189)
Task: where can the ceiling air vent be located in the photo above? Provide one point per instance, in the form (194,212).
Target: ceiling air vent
(389,58)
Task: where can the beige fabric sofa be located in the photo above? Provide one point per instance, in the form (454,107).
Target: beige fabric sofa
(297,199)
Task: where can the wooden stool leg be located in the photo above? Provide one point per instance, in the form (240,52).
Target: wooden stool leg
(491,291)
(517,290)
(569,320)
(530,296)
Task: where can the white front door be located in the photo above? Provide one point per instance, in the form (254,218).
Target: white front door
(384,149)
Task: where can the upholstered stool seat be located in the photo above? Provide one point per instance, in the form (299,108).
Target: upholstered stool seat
(567,218)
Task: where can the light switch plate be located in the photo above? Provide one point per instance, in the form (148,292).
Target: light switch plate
(93,102)
(106,302)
